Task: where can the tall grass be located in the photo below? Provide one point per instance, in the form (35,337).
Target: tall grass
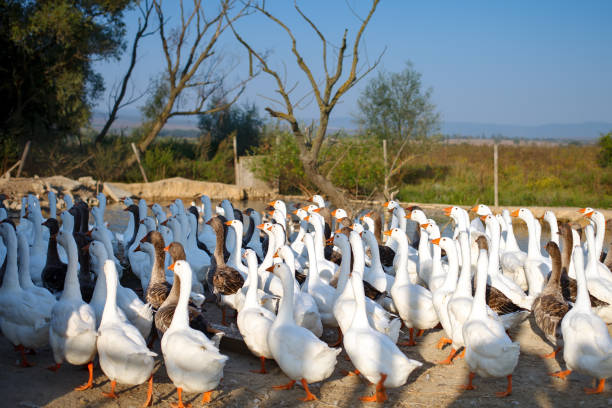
(560,175)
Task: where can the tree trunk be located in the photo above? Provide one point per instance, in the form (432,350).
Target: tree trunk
(327,187)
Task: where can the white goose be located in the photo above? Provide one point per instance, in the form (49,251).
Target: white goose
(537,268)
(193,362)
(489,352)
(413,302)
(72,333)
(297,351)
(43,296)
(512,257)
(254,321)
(124,356)
(386,365)
(24,320)
(587,346)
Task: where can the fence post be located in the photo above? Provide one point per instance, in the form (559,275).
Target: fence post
(495,167)
(144,175)
(386,186)
(23,158)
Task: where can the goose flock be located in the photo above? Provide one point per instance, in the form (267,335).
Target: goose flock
(288,275)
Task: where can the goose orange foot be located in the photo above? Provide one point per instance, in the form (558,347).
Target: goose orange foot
(287,386)
(263,367)
(207,397)
(561,374)
(599,389)
(350,373)
(111,394)
(309,396)
(411,341)
(469,385)
(443,342)
(180,404)
(508,389)
(89,383)
(380,395)
(149,400)
(449,359)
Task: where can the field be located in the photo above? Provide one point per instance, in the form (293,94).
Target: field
(538,175)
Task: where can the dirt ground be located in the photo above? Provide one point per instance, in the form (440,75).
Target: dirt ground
(429,386)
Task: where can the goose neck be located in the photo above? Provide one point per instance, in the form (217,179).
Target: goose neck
(72,289)
(479,303)
(360,318)
(11,278)
(110,307)
(285,309)
(180,320)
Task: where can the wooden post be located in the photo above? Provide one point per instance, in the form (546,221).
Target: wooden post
(137,154)
(495,189)
(236,169)
(7,174)
(23,158)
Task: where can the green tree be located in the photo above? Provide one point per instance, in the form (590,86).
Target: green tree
(394,107)
(217,126)
(604,157)
(47,79)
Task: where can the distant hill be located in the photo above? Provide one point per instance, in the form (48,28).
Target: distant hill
(572,131)
(568,131)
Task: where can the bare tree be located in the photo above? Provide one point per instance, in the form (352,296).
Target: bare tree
(117,97)
(194,71)
(327,93)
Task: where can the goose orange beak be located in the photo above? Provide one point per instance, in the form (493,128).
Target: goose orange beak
(424,226)
(270,228)
(589,214)
(474,209)
(270,268)
(86,247)
(483,218)
(333,213)
(260,226)
(228,223)
(166,249)
(294,212)
(88,233)
(137,248)
(386,204)
(164,222)
(338,231)
(272,203)
(171,267)
(126,209)
(307,218)
(582,210)
(316,210)
(447,211)
(435,241)
(387,233)
(408,216)
(271,213)
(515,213)
(141,222)
(311,199)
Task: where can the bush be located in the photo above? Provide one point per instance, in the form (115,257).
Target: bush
(604,157)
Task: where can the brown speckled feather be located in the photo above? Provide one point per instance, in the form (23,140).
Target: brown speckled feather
(548,311)
(163,317)
(386,255)
(499,302)
(157,293)
(227,280)
(371,291)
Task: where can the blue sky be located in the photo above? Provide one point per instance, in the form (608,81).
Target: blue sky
(511,62)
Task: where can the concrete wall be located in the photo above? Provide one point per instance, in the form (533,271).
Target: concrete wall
(248,181)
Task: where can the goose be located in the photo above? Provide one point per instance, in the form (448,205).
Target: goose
(386,253)
(193,361)
(600,223)
(413,302)
(327,269)
(128,232)
(254,321)
(25,280)
(68,201)
(234,260)
(442,295)
(158,288)
(158,212)
(376,276)
(461,300)
(39,245)
(228,213)
(512,258)
(197,258)
(98,299)
(122,351)
(550,306)
(100,234)
(24,318)
(598,284)
(388,367)
(227,282)
(438,271)
(344,305)
(551,219)
(536,266)
(72,332)
(305,310)
(297,351)
(54,272)
(165,312)
(268,281)
(254,241)
(489,352)
(587,346)
(508,288)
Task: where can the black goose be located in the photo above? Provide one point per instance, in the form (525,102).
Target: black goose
(387,254)
(54,272)
(133,208)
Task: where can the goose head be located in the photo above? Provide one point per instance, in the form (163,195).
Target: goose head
(417,215)
(339,214)
(481,209)
(176,251)
(524,214)
(390,205)
(318,200)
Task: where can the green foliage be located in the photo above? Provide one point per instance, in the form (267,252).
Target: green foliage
(394,106)
(604,157)
(243,121)
(47,78)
